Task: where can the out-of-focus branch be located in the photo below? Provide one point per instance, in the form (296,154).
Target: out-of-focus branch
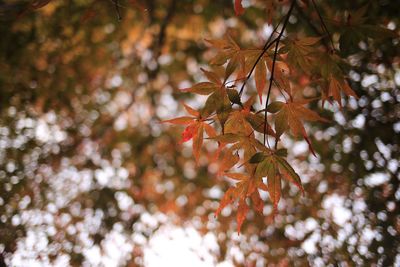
(117,9)
(157,48)
(160,39)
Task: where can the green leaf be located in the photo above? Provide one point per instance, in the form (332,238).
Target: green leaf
(291,173)
(210,106)
(377,32)
(281,122)
(234,96)
(257,157)
(274,107)
(231,67)
(281,152)
(223,106)
(257,123)
(263,167)
(349,40)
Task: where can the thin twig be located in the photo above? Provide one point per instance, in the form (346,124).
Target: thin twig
(267,45)
(271,78)
(323,24)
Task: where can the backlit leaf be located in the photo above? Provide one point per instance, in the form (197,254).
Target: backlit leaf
(257,157)
(197,142)
(231,67)
(274,107)
(234,96)
(191,111)
(242,211)
(189,132)
(257,201)
(227,199)
(227,160)
(203,88)
(227,138)
(289,173)
(274,186)
(212,76)
(260,77)
(180,120)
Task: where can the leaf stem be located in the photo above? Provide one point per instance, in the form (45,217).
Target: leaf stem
(273,69)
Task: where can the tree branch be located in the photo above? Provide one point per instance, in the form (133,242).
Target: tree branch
(117,9)
(323,24)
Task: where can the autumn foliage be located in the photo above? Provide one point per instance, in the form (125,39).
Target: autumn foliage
(122,121)
(289,72)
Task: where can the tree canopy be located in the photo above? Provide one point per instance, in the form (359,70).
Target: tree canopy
(270,126)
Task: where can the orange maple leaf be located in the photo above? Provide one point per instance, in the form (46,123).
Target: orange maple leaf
(195,128)
(292,115)
(246,187)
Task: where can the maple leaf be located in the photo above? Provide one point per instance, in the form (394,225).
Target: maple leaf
(189,132)
(202,88)
(228,159)
(246,188)
(244,122)
(198,141)
(205,88)
(257,121)
(300,52)
(260,77)
(267,168)
(288,172)
(246,143)
(274,167)
(194,130)
(356,29)
(242,211)
(218,102)
(291,115)
(335,89)
(229,51)
(237,123)
(281,72)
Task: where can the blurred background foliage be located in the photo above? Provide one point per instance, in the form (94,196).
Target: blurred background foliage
(89,175)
